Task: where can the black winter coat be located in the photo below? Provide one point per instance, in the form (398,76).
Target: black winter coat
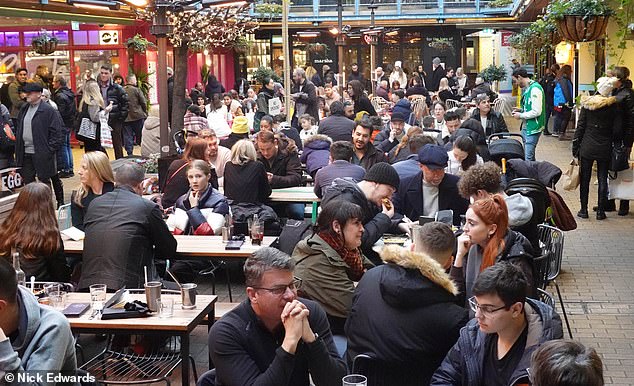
(47,139)
(65,100)
(77,212)
(337,127)
(599,120)
(495,122)
(436,76)
(405,319)
(372,156)
(124,233)
(625,97)
(119,98)
(308,101)
(286,169)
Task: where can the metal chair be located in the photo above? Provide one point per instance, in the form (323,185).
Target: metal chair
(126,367)
(546,298)
(498,106)
(541,266)
(64,219)
(379,103)
(453,104)
(552,240)
(418,106)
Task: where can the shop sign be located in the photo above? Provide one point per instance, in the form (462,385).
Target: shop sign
(505,38)
(10,179)
(323,61)
(108,37)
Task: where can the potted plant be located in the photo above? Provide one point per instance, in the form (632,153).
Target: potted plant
(139,44)
(44,43)
(317,48)
(241,45)
(265,72)
(493,74)
(580,20)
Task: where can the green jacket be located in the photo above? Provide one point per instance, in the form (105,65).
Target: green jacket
(324,276)
(532,99)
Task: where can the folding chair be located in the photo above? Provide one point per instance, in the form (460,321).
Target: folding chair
(453,104)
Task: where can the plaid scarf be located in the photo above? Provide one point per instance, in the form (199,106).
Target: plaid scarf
(352,258)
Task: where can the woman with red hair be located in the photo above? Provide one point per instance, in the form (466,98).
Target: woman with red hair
(487,239)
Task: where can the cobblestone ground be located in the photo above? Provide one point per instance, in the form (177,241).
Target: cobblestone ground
(597,267)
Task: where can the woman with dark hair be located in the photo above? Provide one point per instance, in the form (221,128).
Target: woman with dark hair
(330,260)
(32,227)
(462,156)
(625,98)
(416,88)
(420,71)
(563,100)
(214,87)
(566,362)
(487,240)
(361,102)
(176,183)
(267,92)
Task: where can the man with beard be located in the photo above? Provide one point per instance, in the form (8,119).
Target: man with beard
(355,74)
(431,189)
(304,94)
(218,155)
(438,72)
(365,154)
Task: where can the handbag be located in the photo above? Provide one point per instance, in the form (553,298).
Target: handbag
(571,176)
(619,160)
(87,130)
(622,187)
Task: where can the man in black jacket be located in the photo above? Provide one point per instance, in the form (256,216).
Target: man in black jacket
(65,100)
(124,233)
(114,93)
(372,194)
(273,337)
(492,121)
(38,137)
(431,189)
(412,295)
(337,126)
(438,72)
(304,94)
(365,154)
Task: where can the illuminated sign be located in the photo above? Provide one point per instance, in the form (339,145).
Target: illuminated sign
(108,37)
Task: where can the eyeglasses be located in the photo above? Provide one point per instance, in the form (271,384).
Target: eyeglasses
(485,310)
(281,289)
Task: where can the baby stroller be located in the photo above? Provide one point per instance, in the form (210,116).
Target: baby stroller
(504,145)
(538,194)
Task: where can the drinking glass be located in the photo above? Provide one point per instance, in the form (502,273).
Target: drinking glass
(52,287)
(97,296)
(165,307)
(57,299)
(354,380)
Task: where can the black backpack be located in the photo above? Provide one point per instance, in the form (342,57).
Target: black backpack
(292,233)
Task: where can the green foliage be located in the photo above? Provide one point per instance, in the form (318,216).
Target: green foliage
(269,10)
(624,17)
(493,73)
(265,72)
(241,44)
(143,83)
(557,9)
(537,38)
(139,44)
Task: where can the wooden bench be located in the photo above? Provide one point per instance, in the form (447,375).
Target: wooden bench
(220,311)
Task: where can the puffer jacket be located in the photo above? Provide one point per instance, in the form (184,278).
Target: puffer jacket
(599,120)
(211,199)
(324,276)
(119,98)
(625,97)
(463,364)
(375,223)
(65,100)
(412,296)
(316,153)
(495,122)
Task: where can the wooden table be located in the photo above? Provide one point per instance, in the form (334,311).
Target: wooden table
(190,246)
(302,194)
(182,323)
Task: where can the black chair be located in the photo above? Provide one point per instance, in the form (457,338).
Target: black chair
(546,298)
(538,194)
(116,365)
(380,373)
(552,240)
(541,266)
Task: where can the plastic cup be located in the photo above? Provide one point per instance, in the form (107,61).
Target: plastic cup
(97,296)
(354,380)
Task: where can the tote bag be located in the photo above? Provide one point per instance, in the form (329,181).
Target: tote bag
(571,176)
(622,187)
(106,136)
(87,130)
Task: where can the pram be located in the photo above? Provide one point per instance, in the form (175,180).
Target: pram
(503,145)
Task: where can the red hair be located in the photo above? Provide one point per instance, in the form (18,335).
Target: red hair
(492,210)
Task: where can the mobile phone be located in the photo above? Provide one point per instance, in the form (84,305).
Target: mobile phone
(234,245)
(75,310)
(422,220)
(445,216)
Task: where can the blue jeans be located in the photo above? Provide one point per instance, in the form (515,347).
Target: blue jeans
(65,154)
(130,130)
(530,145)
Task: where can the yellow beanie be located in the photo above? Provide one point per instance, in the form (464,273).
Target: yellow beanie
(240,125)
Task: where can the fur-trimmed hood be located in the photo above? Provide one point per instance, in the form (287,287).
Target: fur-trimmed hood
(314,141)
(422,281)
(596,102)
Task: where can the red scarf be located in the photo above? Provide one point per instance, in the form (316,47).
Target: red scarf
(352,258)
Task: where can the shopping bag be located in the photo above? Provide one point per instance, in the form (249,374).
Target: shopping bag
(622,187)
(106,135)
(87,130)
(571,176)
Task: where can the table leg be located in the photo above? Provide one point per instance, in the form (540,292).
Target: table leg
(185,358)
(314,214)
(211,317)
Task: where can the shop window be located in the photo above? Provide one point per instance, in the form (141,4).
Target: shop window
(58,63)
(80,38)
(88,62)
(9,62)
(12,39)
(93,37)
(1,39)
(62,36)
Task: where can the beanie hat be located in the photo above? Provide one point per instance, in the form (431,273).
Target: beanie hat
(398,64)
(383,173)
(605,85)
(436,60)
(397,116)
(240,125)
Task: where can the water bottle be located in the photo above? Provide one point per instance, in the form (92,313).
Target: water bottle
(19,273)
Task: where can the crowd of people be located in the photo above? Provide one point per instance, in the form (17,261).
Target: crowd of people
(459,308)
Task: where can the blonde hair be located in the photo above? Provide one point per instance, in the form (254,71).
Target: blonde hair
(444,84)
(243,152)
(91,95)
(99,164)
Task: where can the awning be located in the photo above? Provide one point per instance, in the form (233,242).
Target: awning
(60,10)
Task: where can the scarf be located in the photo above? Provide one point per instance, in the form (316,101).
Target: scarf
(351,257)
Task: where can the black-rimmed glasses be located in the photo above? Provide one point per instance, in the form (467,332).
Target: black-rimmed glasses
(485,310)
(281,289)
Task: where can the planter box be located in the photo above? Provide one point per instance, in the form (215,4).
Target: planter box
(577,28)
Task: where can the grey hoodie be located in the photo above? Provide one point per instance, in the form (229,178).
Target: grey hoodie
(44,342)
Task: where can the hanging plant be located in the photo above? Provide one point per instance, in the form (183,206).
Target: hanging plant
(241,45)
(139,44)
(499,3)
(538,38)
(44,43)
(580,20)
(317,48)
(441,44)
(268,10)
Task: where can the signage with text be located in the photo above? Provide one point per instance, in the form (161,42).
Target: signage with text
(108,37)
